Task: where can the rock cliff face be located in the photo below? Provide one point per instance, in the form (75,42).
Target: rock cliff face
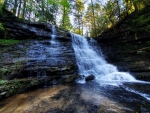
(42,59)
(127,45)
(55,57)
(20,29)
(40,52)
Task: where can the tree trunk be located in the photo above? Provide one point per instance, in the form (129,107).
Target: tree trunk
(19,8)
(82,27)
(135,6)
(118,7)
(94,19)
(30,10)
(79,22)
(24,10)
(43,6)
(64,13)
(15,7)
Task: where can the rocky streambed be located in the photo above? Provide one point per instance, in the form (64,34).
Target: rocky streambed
(79,98)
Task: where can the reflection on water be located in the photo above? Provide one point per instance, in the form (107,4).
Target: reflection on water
(78,98)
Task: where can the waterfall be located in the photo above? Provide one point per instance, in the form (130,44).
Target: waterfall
(53,36)
(90,61)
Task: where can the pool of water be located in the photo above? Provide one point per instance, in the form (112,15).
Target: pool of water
(89,97)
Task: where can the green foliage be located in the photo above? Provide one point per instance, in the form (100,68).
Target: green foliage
(53,2)
(1,27)
(77,31)
(17,82)
(32,83)
(9,41)
(2,82)
(3,72)
(65,21)
(142,19)
(12,90)
(65,3)
(96,18)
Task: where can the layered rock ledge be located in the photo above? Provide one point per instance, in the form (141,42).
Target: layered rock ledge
(127,45)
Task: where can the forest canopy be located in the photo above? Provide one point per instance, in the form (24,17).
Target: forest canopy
(85,17)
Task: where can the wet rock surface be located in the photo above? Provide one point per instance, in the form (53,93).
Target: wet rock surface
(127,45)
(77,98)
(59,58)
(89,78)
(50,62)
(21,29)
(126,57)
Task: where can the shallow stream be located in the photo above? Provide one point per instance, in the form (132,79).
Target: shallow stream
(89,97)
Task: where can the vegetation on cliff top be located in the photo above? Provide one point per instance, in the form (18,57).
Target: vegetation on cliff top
(86,17)
(9,41)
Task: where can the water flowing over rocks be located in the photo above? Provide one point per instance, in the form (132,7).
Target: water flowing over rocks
(58,58)
(91,63)
(47,56)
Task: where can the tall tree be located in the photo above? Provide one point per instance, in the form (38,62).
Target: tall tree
(15,7)
(65,21)
(90,20)
(19,8)
(24,9)
(52,11)
(95,33)
(79,8)
(43,9)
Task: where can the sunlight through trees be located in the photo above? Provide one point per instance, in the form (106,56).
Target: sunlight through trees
(85,17)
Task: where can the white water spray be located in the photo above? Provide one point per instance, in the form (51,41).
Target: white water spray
(53,36)
(91,62)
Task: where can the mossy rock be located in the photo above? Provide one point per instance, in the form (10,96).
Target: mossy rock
(69,78)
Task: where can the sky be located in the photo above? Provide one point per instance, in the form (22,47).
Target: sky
(86,5)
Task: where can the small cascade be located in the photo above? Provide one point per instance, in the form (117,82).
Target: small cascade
(53,36)
(90,61)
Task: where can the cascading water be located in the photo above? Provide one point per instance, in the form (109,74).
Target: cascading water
(91,62)
(53,36)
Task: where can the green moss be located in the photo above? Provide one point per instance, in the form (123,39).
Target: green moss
(3,72)
(1,27)
(34,82)
(9,41)
(2,82)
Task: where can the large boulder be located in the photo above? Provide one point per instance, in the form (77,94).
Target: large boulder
(89,78)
